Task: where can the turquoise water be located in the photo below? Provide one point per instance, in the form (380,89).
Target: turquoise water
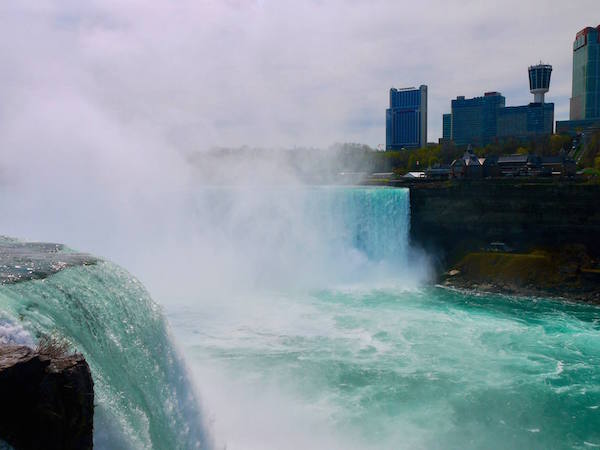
(143,398)
(366,357)
(306,323)
(383,368)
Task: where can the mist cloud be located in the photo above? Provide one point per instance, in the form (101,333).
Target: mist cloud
(102,102)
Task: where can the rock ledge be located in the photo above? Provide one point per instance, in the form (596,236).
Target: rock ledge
(47,400)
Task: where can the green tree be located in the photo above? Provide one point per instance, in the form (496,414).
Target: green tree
(412,162)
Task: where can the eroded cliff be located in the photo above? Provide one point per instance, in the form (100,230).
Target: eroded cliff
(454,218)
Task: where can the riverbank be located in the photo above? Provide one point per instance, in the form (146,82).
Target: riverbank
(569,273)
(548,234)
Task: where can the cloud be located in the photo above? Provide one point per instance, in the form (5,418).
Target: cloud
(276,73)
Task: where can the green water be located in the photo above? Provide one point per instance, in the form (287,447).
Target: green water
(143,399)
(386,368)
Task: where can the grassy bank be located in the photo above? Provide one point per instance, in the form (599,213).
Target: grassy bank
(537,267)
(565,272)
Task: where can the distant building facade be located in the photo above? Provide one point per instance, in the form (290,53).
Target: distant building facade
(438,172)
(585,96)
(406,119)
(470,166)
(447,127)
(574,127)
(526,122)
(485,120)
(474,120)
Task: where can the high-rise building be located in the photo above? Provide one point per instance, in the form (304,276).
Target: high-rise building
(406,118)
(474,120)
(585,96)
(447,127)
(526,122)
(533,120)
(483,120)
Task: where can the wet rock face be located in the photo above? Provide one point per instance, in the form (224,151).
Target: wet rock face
(452,220)
(22,261)
(47,401)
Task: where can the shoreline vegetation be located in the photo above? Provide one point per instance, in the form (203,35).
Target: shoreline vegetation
(348,162)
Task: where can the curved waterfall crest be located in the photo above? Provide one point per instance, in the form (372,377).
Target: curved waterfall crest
(143,396)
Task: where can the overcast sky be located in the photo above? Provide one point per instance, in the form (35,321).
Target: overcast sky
(192,74)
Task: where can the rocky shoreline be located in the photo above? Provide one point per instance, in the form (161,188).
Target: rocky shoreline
(564,273)
(561,274)
(516,237)
(590,296)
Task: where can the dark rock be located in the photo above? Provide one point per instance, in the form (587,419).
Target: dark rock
(47,401)
(452,219)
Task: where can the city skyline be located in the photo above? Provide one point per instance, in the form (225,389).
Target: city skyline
(486,119)
(271,74)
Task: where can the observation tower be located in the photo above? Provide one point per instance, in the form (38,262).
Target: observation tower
(539,81)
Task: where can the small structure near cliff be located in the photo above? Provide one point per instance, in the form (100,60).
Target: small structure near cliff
(468,166)
(47,399)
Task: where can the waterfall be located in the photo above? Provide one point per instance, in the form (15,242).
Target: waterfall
(142,395)
(303,236)
(247,238)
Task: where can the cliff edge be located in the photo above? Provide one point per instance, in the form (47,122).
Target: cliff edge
(455,218)
(530,237)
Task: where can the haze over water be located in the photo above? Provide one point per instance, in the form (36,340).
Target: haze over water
(374,360)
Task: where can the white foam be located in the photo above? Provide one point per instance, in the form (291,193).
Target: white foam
(13,334)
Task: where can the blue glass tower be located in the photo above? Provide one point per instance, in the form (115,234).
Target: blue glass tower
(447,127)
(534,120)
(526,122)
(585,97)
(406,119)
(484,120)
(475,120)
